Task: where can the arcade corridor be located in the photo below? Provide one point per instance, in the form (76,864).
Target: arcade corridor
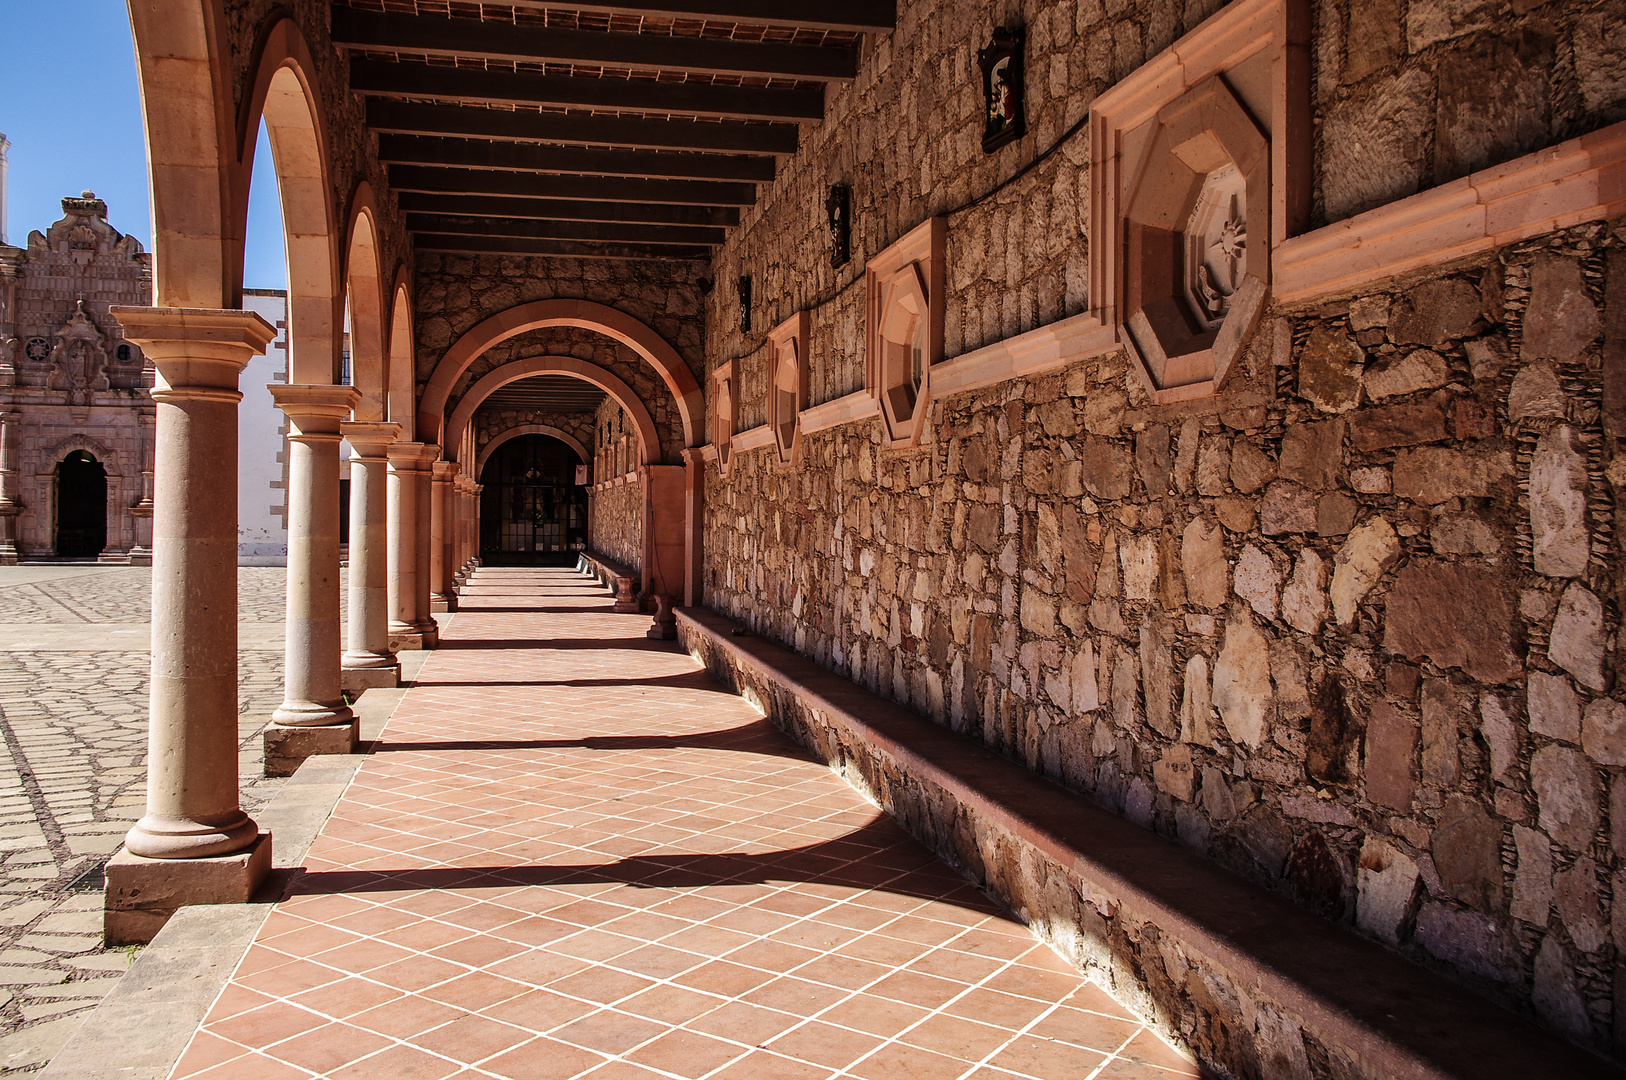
(572,853)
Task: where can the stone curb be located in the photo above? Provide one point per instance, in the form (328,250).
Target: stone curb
(143,1026)
(1384,1015)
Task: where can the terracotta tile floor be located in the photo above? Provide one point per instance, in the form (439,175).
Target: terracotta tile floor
(574,854)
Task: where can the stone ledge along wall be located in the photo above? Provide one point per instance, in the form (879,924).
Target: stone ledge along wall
(1348,627)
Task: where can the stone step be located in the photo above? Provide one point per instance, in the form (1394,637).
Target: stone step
(1250,983)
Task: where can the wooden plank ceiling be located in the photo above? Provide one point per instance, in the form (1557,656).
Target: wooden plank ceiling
(632,130)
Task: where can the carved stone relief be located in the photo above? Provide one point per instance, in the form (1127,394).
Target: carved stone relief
(79,360)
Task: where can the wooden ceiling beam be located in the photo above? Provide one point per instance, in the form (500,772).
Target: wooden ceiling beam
(503,245)
(528,157)
(403,118)
(591,188)
(564,209)
(857,16)
(478,86)
(480,39)
(596,231)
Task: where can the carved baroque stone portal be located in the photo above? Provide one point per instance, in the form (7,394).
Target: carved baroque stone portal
(1191,295)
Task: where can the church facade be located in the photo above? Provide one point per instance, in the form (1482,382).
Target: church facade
(76,416)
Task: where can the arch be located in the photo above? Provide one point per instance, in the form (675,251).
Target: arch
(531,429)
(364,295)
(100,451)
(283,97)
(458,427)
(402,365)
(182,70)
(582,314)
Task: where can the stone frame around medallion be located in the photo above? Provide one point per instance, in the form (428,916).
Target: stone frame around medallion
(725,415)
(785,403)
(904,287)
(1222,116)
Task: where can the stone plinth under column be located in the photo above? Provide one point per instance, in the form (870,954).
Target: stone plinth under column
(143,893)
(287,747)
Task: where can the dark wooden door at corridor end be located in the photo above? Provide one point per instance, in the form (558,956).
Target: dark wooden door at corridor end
(81,507)
(532,511)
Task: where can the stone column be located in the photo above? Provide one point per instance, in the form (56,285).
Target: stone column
(313,718)
(694,513)
(141,553)
(369,661)
(11,503)
(460,531)
(425,620)
(405,462)
(474,524)
(442,542)
(194,844)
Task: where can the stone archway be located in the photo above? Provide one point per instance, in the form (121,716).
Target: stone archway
(457,427)
(531,429)
(541,314)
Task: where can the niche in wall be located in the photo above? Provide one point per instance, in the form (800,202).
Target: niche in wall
(904,329)
(1200,169)
(725,416)
(787,383)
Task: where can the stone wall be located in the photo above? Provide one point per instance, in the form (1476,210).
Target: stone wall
(1410,95)
(1399,96)
(1348,627)
(615,501)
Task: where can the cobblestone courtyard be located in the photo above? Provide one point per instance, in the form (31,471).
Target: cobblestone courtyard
(73,716)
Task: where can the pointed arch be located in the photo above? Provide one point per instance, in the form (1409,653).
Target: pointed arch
(364,296)
(197,214)
(583,314)
(458,427)
(283,96)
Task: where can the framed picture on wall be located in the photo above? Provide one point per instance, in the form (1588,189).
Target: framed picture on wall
(1002,88)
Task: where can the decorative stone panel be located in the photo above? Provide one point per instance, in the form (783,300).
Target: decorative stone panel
(1198,165)
(904,287)
(725,412)
(787,383)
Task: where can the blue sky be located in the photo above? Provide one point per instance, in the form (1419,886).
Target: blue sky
(69,103)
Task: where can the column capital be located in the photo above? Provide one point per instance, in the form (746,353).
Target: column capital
(412,456)
(369,439)
(195,348)
(444,472)
(315,408)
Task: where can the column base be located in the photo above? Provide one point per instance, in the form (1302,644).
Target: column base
(443,602)
(143,893)
(369,678)
(141,556)
(8,556)
(403,640)
(430,632)
(287,747)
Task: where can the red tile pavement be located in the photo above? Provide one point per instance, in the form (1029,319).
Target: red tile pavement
(572,854)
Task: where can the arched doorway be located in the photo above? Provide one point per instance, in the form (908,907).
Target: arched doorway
(81,506)
(532,511)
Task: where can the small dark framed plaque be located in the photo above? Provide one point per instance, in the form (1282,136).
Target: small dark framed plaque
(1002,88)
(745,303)
(838,214)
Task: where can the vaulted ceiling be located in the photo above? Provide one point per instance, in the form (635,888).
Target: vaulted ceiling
(633,130)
